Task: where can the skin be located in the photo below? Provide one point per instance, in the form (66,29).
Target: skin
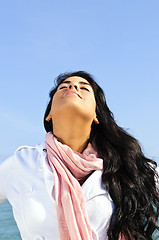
(72,112)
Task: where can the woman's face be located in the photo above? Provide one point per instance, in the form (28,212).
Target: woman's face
(74,95)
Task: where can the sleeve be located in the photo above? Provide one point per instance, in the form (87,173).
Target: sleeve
(5,172)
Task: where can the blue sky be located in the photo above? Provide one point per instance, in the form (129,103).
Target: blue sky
(116,41)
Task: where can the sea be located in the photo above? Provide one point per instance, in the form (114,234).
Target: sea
(8,227)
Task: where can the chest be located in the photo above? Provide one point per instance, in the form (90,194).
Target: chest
(34,208)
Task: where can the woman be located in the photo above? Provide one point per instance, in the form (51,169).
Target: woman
(89,180)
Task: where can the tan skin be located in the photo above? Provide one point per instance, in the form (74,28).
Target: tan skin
(72,115)
(72,112)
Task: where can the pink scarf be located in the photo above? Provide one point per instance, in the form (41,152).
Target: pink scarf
(68,167)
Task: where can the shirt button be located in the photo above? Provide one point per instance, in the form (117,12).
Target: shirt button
(38,237)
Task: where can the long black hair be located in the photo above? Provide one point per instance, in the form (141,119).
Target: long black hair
(128,175)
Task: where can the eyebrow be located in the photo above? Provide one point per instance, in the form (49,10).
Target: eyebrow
(83,83)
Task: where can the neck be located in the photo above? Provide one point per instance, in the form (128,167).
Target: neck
(73,132)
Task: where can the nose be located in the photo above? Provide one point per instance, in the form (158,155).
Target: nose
(73,86)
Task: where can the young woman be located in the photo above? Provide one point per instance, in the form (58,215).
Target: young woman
(89,180)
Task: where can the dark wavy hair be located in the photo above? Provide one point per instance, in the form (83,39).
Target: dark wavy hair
(128,175)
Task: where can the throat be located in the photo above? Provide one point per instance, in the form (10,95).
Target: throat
(75,142)
(74,134)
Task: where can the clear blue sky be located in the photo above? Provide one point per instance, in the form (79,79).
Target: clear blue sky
(117,41)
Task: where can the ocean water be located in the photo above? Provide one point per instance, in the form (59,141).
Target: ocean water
(8,227)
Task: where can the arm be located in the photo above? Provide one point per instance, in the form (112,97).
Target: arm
(5,170)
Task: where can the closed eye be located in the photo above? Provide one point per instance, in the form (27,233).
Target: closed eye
(63,87)
(84,88)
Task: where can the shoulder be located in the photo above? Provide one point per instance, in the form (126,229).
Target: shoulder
(29,150)
(28,156)
(6,164)
(6,172)
(25,150)
(24,147)
(21,153)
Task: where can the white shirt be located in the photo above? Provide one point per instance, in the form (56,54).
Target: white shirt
(27,182)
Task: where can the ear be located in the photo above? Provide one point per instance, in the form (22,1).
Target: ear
(96,120)
(48,117)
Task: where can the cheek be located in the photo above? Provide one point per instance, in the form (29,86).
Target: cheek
(94,108)
(92,105)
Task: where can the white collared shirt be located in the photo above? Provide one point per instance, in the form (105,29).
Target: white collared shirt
(27,182)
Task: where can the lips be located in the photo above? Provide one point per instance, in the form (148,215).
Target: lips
(72,92)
